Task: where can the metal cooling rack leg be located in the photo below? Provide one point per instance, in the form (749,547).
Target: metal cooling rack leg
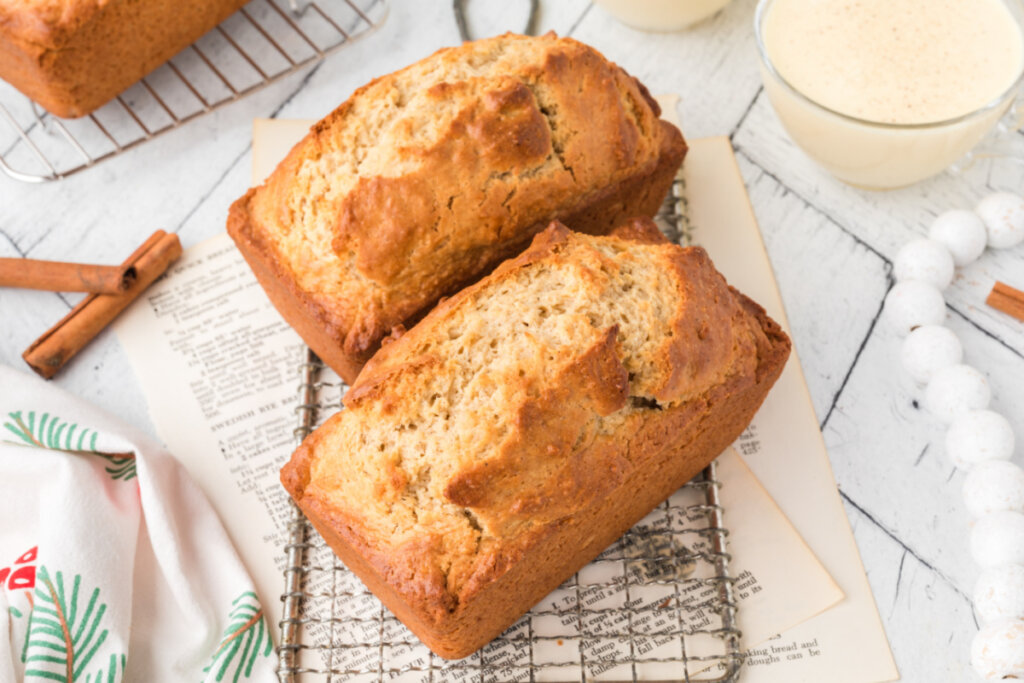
(729,632)
(287,652)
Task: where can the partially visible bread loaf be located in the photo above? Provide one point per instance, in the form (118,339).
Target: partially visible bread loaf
(530,420)
(427,178)
(72,56)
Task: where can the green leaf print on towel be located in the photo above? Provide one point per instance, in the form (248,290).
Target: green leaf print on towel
(120,468)
(110,674)
(17,613)
(64,635)
(246,632)
(49,431)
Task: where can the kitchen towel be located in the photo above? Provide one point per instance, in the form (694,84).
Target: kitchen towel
(113,565)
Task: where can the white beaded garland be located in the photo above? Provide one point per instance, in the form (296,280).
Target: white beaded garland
(994,486)
(999,593)
(912,303)
(924,260)
(977,436)
(930,348)
(979,439)
(962,233)
(1003,215)
(998,539)
(997,651)
(955,390)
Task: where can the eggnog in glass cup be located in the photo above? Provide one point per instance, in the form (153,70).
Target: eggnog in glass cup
(661,15)
(884,93)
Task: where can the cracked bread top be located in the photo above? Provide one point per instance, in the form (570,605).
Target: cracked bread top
(425,178)
(511,405)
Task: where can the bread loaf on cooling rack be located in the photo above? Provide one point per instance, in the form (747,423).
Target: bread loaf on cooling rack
(528,421)
(427,178)
(73,56)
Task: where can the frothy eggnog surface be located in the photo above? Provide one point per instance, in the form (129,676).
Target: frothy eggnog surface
(896,61)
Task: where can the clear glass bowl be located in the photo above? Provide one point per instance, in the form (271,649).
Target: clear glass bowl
(870,154)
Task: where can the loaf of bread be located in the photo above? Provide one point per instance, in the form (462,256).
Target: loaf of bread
(530,420)
(427,178)
(73,56)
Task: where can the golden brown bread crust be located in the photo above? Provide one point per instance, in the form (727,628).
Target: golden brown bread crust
(72,56)
(583,450)
(427,178)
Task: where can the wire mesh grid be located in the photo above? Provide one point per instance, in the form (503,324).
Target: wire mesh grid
(264,41)
(658,605)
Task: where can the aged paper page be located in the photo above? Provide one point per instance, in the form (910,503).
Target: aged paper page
(785,450)
(219,369)
(784,446)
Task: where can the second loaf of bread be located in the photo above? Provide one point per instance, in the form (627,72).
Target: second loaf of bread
(529,421)
(427,178)
(73,56)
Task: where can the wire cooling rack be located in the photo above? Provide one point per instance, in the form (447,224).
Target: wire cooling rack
(259,44)
(658,605)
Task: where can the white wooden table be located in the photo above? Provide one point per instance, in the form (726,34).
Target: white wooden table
(832,248)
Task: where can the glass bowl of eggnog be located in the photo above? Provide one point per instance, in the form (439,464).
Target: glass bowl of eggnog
(661,15)
(884,93)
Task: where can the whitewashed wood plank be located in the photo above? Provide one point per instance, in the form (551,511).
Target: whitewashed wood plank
(493,18)
(26,315)
(888,452)
(712,66)
(888,220)
(831,284)
(928,623)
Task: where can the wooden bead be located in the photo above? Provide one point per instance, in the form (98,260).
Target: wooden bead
(993,486)
(911,304)
(997,651)
(962,233)
(955,390)
(977,436)
(999,593)
(1003,215)
(924,260)
(998,538)
(928,349)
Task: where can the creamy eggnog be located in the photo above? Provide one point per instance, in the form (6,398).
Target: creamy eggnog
(887,92)
(662,15)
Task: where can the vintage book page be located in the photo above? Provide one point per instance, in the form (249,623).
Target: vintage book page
(785,450)
(212,353)
(784,447)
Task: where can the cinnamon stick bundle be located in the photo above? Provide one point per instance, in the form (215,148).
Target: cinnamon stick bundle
(59,276)
(1005,298)
(60,343)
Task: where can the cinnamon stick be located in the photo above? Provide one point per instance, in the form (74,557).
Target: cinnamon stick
(58,276)
(60,343)
(1005,298)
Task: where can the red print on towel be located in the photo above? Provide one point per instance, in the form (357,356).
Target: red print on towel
(22,575)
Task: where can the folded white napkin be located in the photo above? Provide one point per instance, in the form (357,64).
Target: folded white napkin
(113,566)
